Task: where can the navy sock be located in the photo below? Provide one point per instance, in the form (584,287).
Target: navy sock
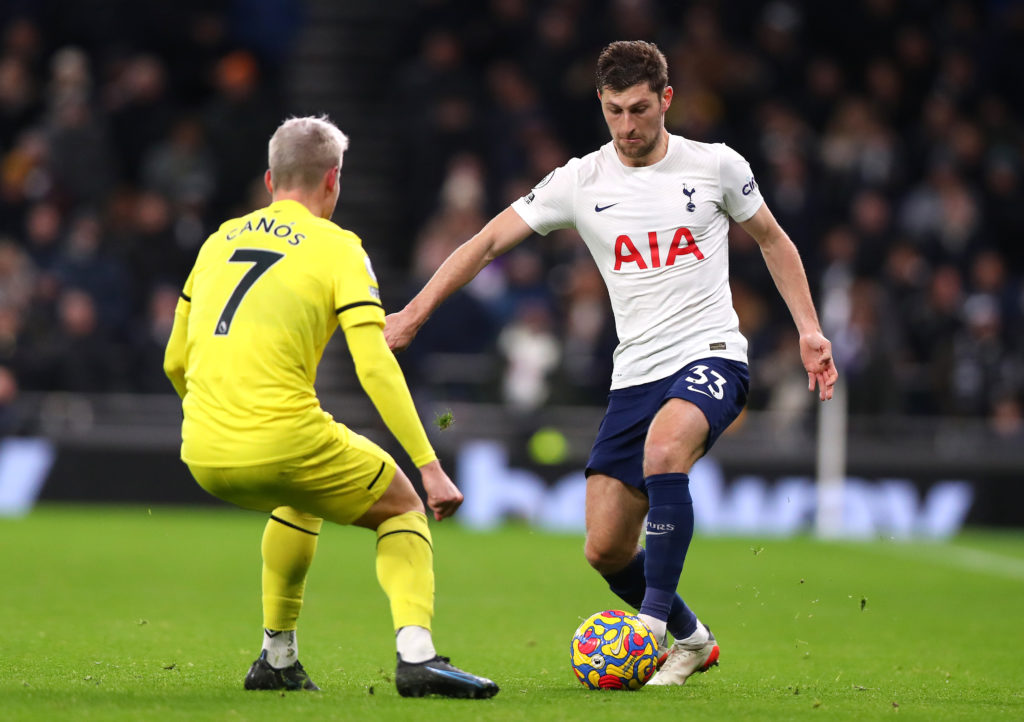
(630,585)
(669,531)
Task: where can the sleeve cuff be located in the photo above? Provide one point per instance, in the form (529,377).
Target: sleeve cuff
(424,458)
(354,314)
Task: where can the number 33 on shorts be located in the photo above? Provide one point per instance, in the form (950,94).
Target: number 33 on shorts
(698,381)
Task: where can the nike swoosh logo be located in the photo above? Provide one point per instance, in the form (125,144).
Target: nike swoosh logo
(656,533)
(598,209)
(465,677)
(700,392)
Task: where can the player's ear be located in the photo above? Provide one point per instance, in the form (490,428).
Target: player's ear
(332,177)
(666,98)
(268,182)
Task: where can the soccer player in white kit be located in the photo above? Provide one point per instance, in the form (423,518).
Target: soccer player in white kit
(654,210)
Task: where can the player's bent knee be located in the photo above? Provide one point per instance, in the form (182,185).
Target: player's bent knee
(607,560)
(657,457)
(399,498)
(670,458)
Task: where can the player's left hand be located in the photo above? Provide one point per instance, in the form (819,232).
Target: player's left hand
(816,353)
(443,497)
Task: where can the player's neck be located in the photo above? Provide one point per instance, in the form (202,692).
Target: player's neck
(313,202)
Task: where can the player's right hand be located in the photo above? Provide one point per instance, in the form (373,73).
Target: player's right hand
(399,331)
(443,497)
(816,354)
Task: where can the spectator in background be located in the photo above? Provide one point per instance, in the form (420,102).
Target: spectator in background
(239,118)
(450,360)
(941,214)
(865,347)
(19,101)
(440,85)
(83,264)
(1004,211)
(981,371)
(871,221)
(989,277)
(78,354)
(17,276)
(140,112)
(42,235)
(589,334)
(935,322)
(531,353)
(181,166)
(25,178)
(150,339)
(151,248)
(78,138)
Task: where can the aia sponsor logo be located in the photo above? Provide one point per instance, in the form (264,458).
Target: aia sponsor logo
(681,244)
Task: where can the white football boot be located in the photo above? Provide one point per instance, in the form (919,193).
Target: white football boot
(686,657)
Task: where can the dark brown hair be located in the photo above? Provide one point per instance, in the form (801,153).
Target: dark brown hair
(625,63)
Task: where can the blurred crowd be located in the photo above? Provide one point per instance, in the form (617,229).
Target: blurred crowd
(126,134)
(885,135)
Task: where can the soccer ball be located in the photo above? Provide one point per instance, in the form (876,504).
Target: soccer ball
(613,650)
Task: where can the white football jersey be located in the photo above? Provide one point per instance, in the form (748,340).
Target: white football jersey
(659,235)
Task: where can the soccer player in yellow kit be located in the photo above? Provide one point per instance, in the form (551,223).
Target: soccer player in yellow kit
(264,297)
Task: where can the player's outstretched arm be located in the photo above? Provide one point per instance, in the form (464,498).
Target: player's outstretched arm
(504,232)
(382,379)
(783,261)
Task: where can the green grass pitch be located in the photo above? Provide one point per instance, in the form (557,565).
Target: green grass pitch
(153,614)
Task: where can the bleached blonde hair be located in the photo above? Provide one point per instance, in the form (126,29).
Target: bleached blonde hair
(302,150)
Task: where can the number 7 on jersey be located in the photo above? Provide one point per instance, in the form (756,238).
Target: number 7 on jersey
(261,262)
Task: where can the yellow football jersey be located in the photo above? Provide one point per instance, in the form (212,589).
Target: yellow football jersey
(266,293)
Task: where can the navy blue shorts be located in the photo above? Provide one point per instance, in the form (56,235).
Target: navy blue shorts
(717,386)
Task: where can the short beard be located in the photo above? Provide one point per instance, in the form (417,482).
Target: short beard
(632,152)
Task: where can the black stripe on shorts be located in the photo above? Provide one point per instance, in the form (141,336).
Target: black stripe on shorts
(379,472)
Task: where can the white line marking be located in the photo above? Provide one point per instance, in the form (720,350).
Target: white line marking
(974,560)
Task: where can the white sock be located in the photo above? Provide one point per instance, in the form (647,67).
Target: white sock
(658,627)
(415,644)
(282,648)
(698,639)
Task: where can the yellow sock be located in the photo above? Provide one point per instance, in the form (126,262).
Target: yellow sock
(289,543)
(405,568)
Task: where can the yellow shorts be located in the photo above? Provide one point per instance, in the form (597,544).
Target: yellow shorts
(338,482)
